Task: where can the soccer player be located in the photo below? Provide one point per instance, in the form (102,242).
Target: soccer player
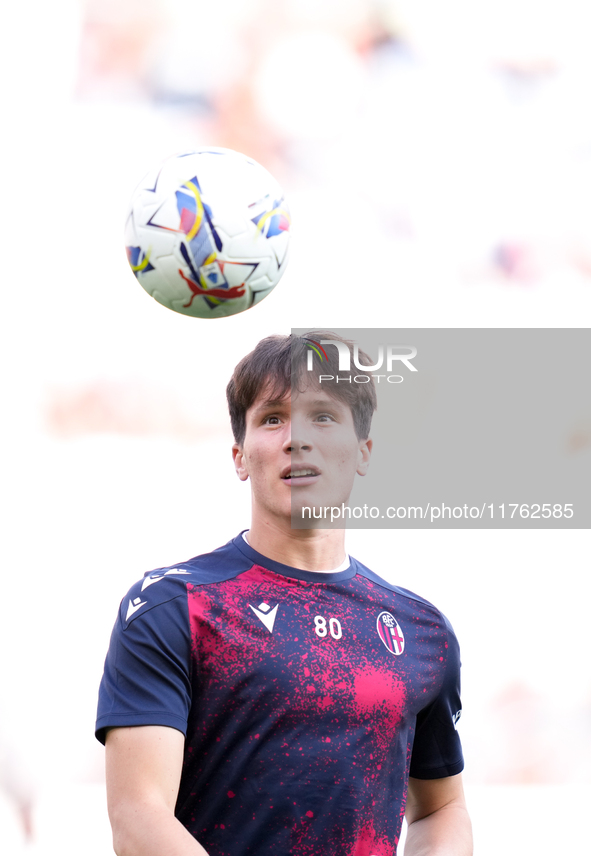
(276,696)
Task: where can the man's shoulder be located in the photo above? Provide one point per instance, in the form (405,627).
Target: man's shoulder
(411,597)
(216,566)
(165,584)
(366,572)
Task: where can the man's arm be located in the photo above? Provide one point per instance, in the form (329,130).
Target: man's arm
(143,773)
(438,822)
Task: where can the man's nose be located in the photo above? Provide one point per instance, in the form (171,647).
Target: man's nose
(298,439)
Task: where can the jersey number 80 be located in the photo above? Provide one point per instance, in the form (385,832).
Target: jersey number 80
(334,626)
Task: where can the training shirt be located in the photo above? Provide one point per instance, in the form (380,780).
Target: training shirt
(306,699)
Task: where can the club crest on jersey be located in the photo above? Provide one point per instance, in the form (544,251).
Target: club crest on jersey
(390,633)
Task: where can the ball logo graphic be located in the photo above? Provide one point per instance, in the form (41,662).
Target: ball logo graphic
(390,633)
(208,233)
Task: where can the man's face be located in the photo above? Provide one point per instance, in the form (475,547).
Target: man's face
(300,451)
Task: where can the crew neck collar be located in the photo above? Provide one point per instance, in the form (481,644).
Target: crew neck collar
(297,573)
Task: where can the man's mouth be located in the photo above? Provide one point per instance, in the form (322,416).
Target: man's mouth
(299,474)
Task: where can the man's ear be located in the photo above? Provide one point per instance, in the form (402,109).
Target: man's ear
(239,462)
(365,447)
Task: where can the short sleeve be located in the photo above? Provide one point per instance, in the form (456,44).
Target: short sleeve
(146,679)
(437,750)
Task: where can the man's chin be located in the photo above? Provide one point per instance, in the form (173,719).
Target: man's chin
(315,514)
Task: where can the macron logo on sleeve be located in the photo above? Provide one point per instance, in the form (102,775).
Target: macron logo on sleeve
(137,602)
(155,578)
(134,605)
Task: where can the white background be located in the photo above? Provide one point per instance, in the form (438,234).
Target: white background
(405,177)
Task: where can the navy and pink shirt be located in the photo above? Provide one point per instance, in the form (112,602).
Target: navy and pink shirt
(306,699)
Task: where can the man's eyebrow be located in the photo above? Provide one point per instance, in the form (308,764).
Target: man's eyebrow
(272,402)
(329,401)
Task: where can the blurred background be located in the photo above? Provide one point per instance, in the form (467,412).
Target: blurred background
(437,160)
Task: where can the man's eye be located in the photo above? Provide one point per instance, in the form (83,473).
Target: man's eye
(271,420)
(324,417)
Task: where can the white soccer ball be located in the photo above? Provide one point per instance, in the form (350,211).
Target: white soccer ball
(208,233)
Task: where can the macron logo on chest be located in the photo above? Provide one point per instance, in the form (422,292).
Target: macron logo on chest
(266,614)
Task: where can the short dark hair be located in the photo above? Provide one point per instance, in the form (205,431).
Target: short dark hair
(279,363)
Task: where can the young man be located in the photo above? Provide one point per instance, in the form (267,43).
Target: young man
(274,696)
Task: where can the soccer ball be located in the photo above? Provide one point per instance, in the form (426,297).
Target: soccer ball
(208,233)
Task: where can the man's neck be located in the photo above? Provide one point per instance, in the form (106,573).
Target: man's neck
(320,550)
